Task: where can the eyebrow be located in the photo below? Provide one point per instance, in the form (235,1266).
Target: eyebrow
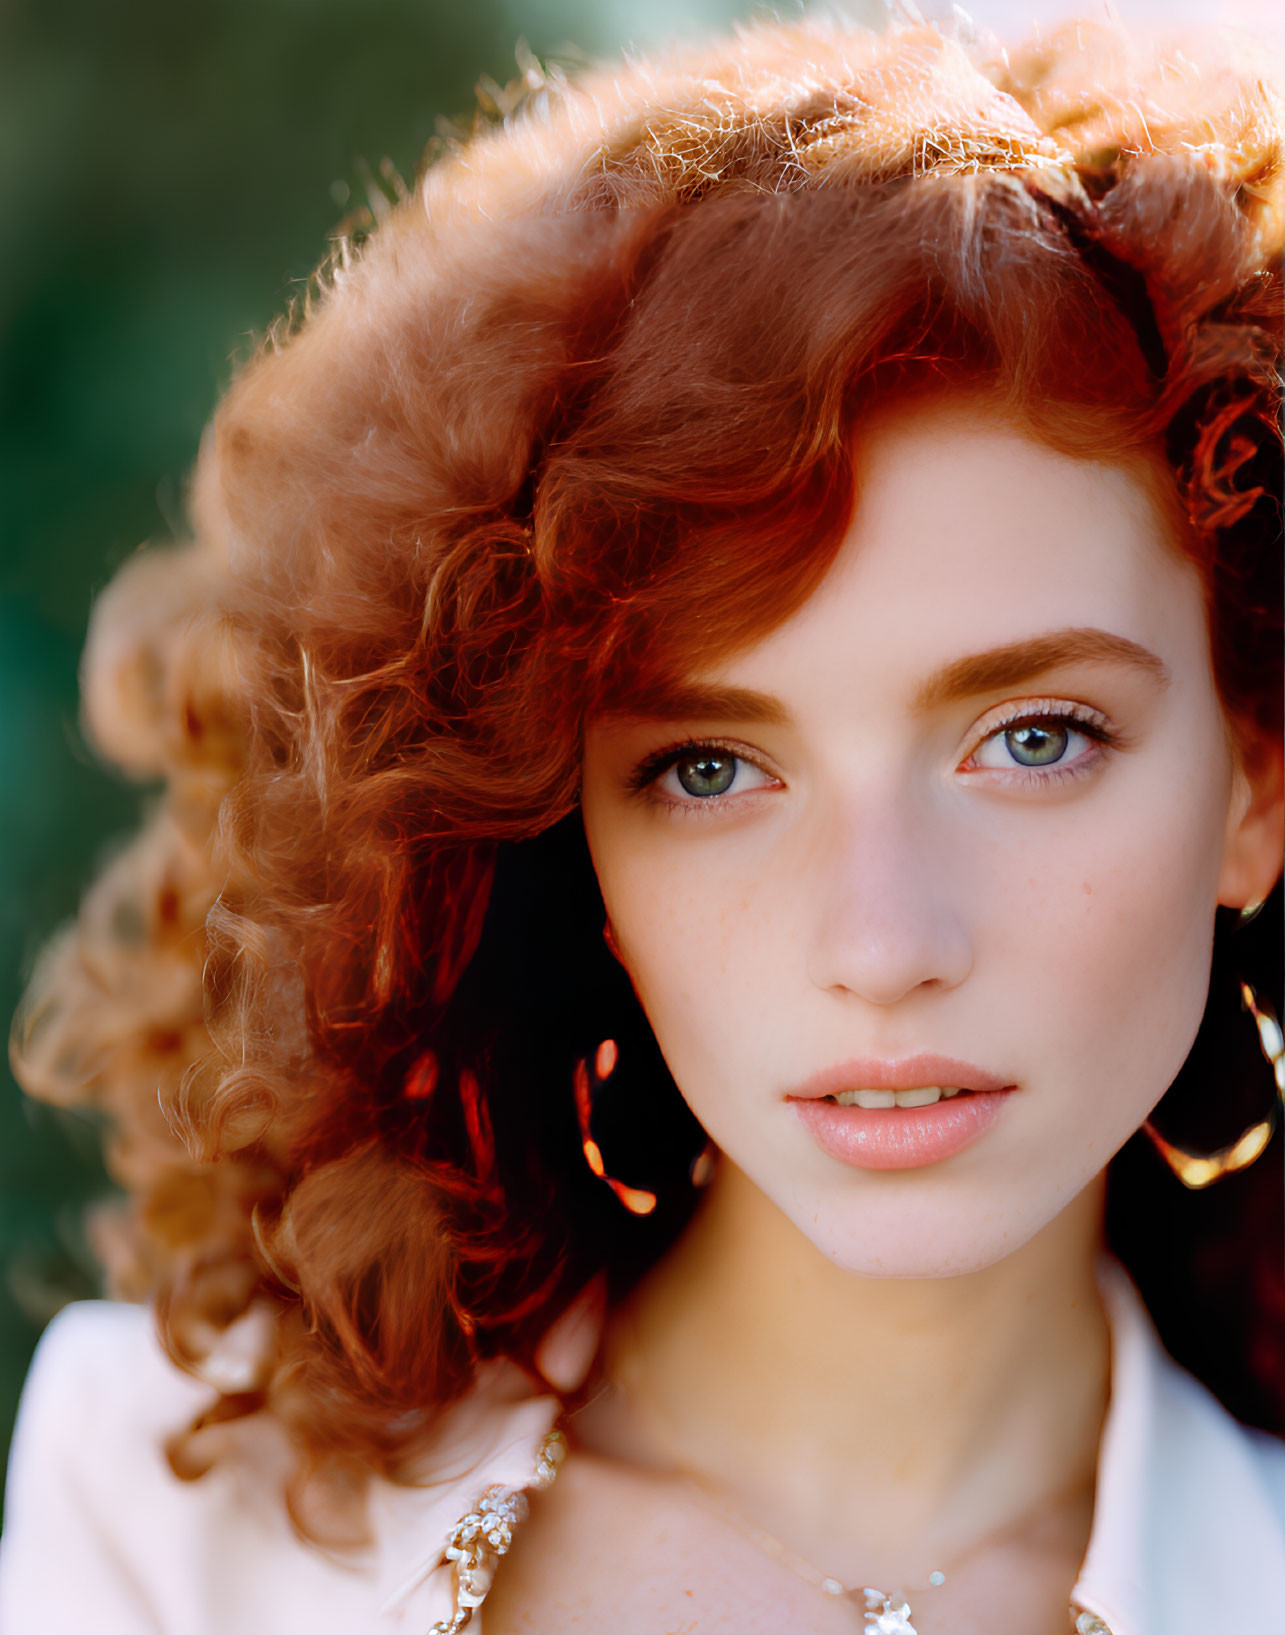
(963,678)
(686,700)
(1023,660)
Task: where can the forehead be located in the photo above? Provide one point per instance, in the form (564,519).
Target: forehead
(968,534)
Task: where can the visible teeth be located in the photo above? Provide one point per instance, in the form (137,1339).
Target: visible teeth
(867,1098)
(920,1096)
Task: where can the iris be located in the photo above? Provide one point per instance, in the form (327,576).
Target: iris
(706,774)
(1036,746)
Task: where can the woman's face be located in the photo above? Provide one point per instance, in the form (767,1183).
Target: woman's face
(975,801)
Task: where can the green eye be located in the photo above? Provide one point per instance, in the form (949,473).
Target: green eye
(1034,745)
(706,774)
(1049,742)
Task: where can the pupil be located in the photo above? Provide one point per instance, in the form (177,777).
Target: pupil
(1036,746)
(706,774)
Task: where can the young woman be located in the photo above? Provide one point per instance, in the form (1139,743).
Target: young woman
(721,718)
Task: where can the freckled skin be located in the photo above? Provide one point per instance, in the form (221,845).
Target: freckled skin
(864,896)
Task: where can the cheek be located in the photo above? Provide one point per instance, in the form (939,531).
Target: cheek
(1108,958)
(676,935)
(699,945)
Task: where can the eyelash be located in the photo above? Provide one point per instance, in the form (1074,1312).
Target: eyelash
(646,773)
(1032,712)
(1089,723)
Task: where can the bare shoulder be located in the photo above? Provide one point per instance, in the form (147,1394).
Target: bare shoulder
(618,1548)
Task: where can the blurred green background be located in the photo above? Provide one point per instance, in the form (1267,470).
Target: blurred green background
(168,176)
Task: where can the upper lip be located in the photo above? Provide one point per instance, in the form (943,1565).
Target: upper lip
(907,1073)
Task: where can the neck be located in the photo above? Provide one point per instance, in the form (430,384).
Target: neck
(920,1416)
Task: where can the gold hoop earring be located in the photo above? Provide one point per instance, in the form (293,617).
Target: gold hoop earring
(635,1199)
(591,1073)
(1199,1170)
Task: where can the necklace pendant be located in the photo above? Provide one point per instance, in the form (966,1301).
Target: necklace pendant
(883,1618)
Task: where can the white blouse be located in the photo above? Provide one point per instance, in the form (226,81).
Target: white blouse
(1188,1532)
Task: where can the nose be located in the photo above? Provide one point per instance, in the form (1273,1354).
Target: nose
(885,920)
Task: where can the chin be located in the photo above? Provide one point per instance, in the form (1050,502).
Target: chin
(915,1236)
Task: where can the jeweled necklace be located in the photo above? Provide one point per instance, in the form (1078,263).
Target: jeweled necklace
(885,1614)
(882,1612)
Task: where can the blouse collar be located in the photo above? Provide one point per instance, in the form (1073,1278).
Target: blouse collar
(492,1437)
(1186,1538)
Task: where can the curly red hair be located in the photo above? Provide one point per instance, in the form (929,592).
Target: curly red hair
(579,414)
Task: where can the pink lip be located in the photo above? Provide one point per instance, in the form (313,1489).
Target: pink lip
(869,1073)
(899,1137)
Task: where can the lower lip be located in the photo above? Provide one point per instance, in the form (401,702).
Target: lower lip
(899,1137)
